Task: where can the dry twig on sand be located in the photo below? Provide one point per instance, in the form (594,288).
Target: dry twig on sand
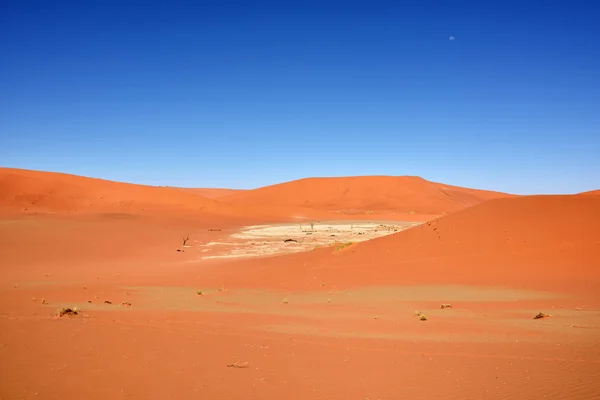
(421,316)
(237,365)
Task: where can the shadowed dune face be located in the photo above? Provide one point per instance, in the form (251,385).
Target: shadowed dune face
(401,194)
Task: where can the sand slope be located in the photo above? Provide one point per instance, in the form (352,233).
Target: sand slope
(401,194)
(535,241)
(528,238)
(212,193)
(35,191)
(591,193)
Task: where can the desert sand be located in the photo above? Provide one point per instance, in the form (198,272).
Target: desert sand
(211,193)
(591,193)
(406,194)
(342,317)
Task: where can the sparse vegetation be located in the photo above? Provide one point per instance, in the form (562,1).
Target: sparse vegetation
(542,315)
(44,301)
(107,302)
(285,301)
(446,306)
(126,303)
(421,316)
(343,246)
(199,292)
(312,226)
(185,239)
(67,311)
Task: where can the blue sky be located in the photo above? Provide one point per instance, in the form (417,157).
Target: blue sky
(248,94)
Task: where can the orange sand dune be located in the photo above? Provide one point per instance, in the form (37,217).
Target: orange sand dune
(212,193)
(591,193)
(403,194)
(145,332)
(532,240)
(36,191)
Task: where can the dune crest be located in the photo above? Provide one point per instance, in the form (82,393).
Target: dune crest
(590,193)
(211,193)
(405,194)
(37,191)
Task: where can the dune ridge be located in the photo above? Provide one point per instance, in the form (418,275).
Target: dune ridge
(27,191)
(38,191)
(590,193)
(212,193)
(390,193)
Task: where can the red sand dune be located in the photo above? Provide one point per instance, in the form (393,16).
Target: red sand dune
(29,192)
(212,193)
(591,193)
(172,343)
(36,191)
(532,240)
(384,193)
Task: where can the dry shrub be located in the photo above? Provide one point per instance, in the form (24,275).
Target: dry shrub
(67,311)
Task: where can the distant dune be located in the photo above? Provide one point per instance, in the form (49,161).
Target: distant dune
(534,241)
(398,194)
(36,191)
(591,193)
(212,193)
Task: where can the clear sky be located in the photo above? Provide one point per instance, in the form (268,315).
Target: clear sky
(246,94)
